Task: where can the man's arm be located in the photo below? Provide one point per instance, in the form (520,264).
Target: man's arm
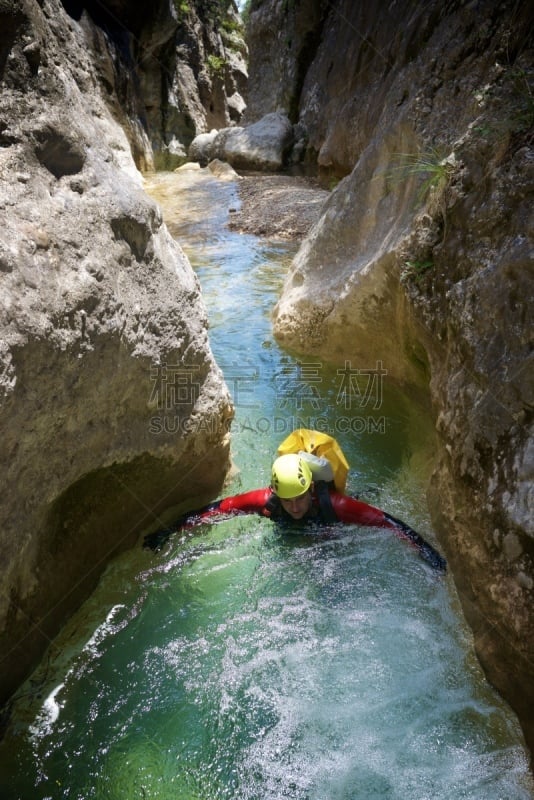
(247,503)
(348,509)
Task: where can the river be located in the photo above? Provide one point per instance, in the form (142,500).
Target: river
(243,663)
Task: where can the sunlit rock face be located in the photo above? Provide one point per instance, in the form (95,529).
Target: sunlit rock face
(423,258)
(112,409)
(259,147)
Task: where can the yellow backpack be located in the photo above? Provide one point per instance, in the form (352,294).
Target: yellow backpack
(321,445)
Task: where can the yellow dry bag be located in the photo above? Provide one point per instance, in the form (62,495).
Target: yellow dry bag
(322,445)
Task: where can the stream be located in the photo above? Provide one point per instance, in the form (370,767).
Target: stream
(244,663)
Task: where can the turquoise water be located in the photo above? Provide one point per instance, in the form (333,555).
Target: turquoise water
(243,663)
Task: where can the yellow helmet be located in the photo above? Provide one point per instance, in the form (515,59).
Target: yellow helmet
(291,476)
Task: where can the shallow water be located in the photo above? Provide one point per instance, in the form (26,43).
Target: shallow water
(243,663)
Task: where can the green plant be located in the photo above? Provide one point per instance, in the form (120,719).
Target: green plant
(245,11)
(182,7)
(216,64)
(432,166)
(416,270)
(483,130)
(231,26)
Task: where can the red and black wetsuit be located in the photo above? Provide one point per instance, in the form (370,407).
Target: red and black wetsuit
(341,508)
(328,506)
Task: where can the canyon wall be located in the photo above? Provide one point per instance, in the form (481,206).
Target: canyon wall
(112,409)
(191,65)
(420,117)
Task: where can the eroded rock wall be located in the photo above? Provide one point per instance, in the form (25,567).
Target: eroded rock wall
(191,63)
(112,408)
(284,39)
(171,70)
(423,258)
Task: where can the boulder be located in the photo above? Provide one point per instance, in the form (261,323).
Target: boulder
(189,166)
(201,147)
(262,146)
(222,170)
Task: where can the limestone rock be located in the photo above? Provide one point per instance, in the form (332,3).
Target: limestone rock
(283,40)
(358,312)
(222,170)
(201,147)
(112,408)
(262,146)
(191,62)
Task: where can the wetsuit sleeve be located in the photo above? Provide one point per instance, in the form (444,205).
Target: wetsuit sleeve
(247,503)
(252,502)
(348,509)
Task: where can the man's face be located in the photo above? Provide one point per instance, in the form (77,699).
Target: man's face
(297,507)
